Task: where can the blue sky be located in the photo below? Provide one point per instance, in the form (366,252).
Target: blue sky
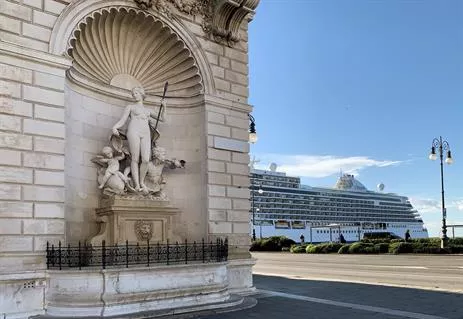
(362,86)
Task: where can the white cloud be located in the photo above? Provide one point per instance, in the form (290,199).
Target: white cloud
(458,204)
(426,205)
(320,166)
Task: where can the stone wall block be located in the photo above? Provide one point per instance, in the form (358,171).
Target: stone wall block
(43,227)
(49,81)
(238,122)
(238,216)
(238,192)
(239,67)
(14,73)
(15,107)
(220,203)
(49,178)
(10,89)
(217,129)
(244,204)
(216,166)
(217,71)
(45,19)
(15,10)
(36,32)
(224,62)
(10,226)
(40,242)
(39,160)
(240,180)
(54,6)
(215,190)
(45,96)
(10,192)
(50,145)
(240,134)
(239,169)
(219,178)
(16,209)
(212,58)
(16,243)
(237,55)
(49,113)
(222,84)
(33,3)
(10,157)
(217,215)
(10,123)
(43,194)
(16,141)
(44,128)
(236,77)
(48,210)
(10,25)
(241,228)
(215,118)
(241,158)
(240,89)
(23,41)
(218,155)
(220,227)
(15,175)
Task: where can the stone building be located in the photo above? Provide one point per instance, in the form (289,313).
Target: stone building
(66,71)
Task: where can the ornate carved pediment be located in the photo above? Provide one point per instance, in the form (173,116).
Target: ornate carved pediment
(222,18)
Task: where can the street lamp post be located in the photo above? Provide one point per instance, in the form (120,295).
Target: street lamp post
(260,191)
(442,146)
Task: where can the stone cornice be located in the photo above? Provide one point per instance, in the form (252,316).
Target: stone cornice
(222,19)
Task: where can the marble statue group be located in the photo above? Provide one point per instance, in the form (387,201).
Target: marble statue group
(134,163)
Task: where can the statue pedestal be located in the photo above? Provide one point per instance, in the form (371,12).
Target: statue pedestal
(136,219)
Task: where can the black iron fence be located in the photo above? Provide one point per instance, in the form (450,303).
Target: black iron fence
(61,256)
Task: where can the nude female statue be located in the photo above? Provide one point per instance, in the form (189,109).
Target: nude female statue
(139,135)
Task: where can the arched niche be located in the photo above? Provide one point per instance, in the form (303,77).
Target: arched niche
(114,48)
(79,14)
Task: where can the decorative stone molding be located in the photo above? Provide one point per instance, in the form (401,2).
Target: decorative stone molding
(144,230)
(102,44)
(227,16)
(222,18)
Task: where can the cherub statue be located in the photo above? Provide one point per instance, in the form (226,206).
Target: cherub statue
(113,165)
(109,176)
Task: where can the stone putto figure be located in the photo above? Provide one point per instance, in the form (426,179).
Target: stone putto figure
(138,168)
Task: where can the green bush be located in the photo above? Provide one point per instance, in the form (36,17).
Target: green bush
(298,249)
(362,248)
(313,249)
(400,248)
(344,249)
(381,248)
(455,249)
(456,241)
(397,240)
(274,243)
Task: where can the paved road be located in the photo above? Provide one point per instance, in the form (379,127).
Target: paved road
(440,272)
(316,286)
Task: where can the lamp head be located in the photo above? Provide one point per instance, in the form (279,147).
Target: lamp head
(449,159)
(432,155)
(260,191)
(252,130)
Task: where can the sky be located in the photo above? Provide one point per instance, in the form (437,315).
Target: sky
(363,87)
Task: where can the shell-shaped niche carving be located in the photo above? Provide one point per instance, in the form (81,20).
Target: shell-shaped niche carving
(126,48)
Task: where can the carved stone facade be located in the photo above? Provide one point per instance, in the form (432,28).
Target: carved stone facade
(66,73)
(222,18)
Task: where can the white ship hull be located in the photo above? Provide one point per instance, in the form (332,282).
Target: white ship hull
(321,234)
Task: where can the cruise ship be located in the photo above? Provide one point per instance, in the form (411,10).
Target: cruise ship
(280,205)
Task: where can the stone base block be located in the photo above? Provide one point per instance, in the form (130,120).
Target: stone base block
(135,220)
(113,292)
(22,295)
(240,276)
